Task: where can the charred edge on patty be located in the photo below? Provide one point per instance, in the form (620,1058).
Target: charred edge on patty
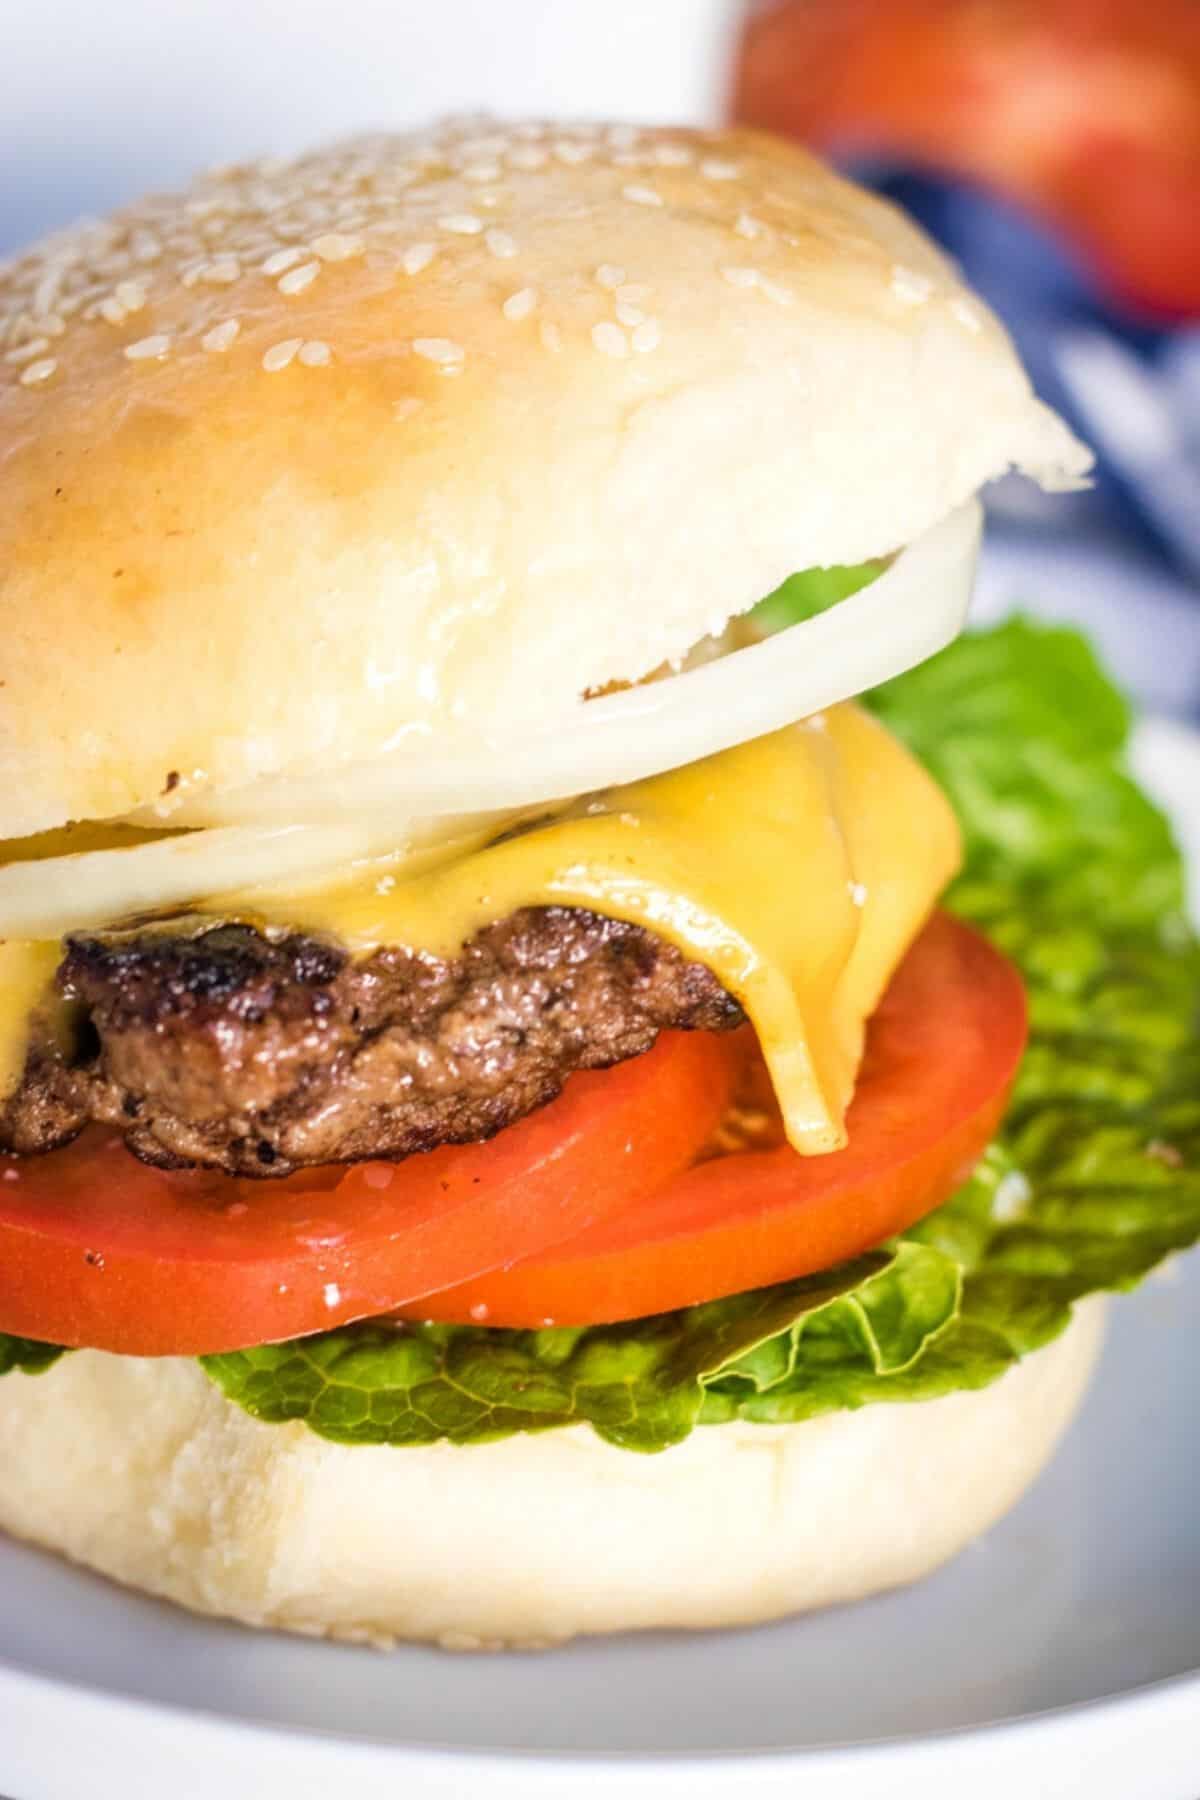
(260,1057)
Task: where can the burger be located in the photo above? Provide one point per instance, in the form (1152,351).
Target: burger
(574,1054)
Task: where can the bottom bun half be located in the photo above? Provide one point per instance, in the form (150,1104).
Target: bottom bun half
(143,1470)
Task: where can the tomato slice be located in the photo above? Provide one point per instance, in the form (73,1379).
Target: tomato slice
(942,1050)
(98,1250)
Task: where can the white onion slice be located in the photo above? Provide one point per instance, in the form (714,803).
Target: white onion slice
(916,607)
(293,832)
(45,898)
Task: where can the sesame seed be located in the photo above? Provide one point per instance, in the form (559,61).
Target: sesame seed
(713,168)
(462,224)
(296,280)
(858,893)
(443,351)
(282,259)
(12,1174)
(111,311)
(490,144)
(966,314)
(148,349)
(25,352)
(642,196)
(629,315)
(647,336)
(609,339)
(747,226)
(551,336)
(738,276)
(46,292)
(220,272)
(610,275)
(623,137)
(221,336)
(417,257)
(338,246)
(520,304)
(909,287)
(401,410)
(672,156)
(500,243)
(775,290)
(131,295)
(315,353)
(332,1293)
(570,151)
(36,372)
(632,293)
(482,171)
(527,156)
(280,354)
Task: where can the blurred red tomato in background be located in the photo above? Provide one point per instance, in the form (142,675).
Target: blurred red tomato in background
(1085,111)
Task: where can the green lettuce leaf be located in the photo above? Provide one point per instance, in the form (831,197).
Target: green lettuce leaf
(1095,1176)
(808,593)
(642,1387)
(26,1354)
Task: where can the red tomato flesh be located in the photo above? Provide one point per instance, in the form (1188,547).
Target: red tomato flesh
(98,1250)
(942,1050)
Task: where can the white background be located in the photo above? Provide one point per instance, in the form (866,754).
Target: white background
(102,99)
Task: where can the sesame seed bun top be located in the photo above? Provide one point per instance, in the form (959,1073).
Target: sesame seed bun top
(422,432)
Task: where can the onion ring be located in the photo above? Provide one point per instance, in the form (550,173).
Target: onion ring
(915,607)
(457,794)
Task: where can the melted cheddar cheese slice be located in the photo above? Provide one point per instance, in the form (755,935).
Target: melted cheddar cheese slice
(799,867)
(26,971)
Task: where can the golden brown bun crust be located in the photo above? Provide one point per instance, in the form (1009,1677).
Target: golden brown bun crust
(718,362)
(144,1471)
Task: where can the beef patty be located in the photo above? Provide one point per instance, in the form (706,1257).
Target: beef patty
(260,1056)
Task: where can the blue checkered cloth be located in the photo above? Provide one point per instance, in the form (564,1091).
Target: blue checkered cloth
(1124,558)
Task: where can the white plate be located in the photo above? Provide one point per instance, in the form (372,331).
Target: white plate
(1059,1658)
